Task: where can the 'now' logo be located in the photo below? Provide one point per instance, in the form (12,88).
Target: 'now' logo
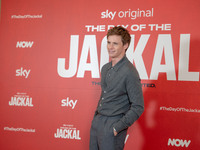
(24,44)
(178,142)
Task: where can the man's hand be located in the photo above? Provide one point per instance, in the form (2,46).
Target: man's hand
(115,132)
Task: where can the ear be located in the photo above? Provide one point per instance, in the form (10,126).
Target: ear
(125,46)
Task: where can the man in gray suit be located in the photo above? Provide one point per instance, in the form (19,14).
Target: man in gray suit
(121,102)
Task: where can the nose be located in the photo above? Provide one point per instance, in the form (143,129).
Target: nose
(110,46)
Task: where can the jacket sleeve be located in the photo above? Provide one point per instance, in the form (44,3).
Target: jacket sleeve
(136,100)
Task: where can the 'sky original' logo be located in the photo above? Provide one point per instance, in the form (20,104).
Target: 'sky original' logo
(23,72)
(68,103)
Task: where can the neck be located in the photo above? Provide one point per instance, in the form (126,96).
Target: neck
(116,60)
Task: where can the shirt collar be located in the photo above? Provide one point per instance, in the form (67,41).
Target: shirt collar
(119,64)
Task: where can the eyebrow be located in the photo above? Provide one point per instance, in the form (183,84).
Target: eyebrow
(112,42)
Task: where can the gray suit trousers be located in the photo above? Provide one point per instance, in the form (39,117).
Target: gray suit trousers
(102,135)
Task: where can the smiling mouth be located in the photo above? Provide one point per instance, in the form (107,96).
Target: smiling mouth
(111,51)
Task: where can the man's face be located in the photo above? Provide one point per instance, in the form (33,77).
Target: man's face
(115,47)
